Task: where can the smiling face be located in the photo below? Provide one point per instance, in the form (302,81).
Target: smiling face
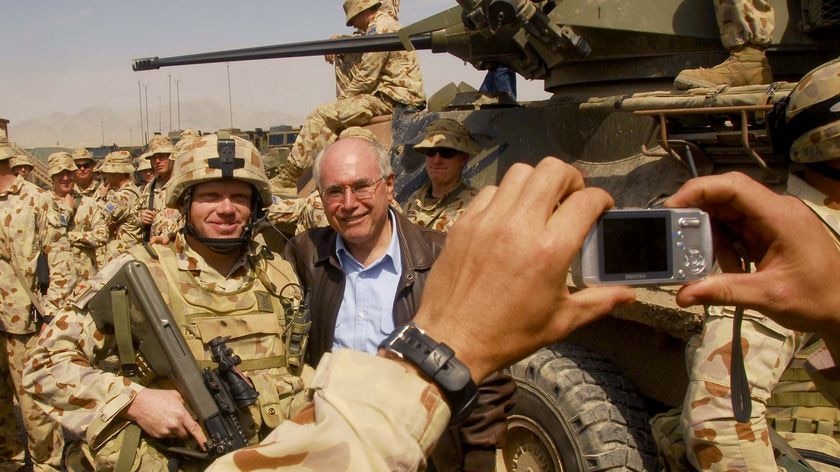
(221,208)
(352,163)
(84,172)
(63,182)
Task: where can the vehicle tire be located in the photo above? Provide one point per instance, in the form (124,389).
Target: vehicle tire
(576,412)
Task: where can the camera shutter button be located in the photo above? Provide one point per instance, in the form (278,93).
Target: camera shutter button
(689,222)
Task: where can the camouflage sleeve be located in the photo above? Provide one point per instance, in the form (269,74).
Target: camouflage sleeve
(285,210)
(59,373)
(91,229)
(367,71)
(167,221)
(369,413)
(120,205)
(56,247)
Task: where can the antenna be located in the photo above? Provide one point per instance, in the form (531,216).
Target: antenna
(230,100)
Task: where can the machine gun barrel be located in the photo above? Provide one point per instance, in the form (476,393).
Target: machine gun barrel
(345,45)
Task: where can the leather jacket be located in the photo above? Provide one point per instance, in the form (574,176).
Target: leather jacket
(469,446)
(312,254)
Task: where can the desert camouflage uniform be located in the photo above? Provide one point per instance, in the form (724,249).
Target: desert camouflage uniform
(30,223)
(304,213)
(380,81)
(123,229)
(706,434)
(744,22)
(72,378)
(92,191)
(439,213)
(87,231)
(165,218)
(368,414)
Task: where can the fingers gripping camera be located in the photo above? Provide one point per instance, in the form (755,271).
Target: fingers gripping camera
(646,247)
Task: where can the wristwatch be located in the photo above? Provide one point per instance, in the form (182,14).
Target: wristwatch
(437,361)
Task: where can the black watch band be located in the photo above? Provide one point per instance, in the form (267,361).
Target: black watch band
(437,361)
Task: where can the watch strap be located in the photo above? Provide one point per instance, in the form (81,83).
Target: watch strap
(438,362)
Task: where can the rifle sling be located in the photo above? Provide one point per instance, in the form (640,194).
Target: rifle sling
(128,451)
(32,298)
(125,346)
(122,331)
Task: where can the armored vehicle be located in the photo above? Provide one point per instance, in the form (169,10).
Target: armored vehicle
(584,404)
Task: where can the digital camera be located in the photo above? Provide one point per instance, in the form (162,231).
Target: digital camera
(646,247)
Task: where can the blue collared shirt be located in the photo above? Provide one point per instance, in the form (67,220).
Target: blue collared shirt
(366,315)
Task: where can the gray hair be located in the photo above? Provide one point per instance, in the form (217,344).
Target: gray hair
(371,147)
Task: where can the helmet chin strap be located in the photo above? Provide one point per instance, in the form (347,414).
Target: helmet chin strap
(223,245)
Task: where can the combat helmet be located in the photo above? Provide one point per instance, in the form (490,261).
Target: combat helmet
(213,157)
(812,115)
(448,133)
(354,7)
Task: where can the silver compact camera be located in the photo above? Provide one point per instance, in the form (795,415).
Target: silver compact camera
(646,247)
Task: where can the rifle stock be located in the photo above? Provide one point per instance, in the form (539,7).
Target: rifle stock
(157,337)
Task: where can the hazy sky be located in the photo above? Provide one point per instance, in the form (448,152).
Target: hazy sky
(65,56)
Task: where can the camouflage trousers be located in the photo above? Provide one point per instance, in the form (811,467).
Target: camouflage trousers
(323,126)
(705,435)
(46,442)
(744,22)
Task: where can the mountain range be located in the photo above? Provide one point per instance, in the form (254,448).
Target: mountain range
(97,126)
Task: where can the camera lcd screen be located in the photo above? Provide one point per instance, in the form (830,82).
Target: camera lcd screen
(636,246)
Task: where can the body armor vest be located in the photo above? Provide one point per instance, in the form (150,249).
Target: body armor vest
(256,318)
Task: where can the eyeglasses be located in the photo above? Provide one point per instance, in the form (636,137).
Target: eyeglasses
(445,153)
(362,190)
(84,165)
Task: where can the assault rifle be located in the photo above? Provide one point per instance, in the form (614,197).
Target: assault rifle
(130,306)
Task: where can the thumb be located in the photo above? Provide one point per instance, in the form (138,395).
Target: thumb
(592,303)
(728,289)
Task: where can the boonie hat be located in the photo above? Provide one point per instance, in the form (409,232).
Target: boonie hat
(358,132)
(82,154)
(448,133)
(117,162)
(58,162)
(21,160)
(354,7)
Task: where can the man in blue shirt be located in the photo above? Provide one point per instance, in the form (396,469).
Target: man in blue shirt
(365,272)
(364,276)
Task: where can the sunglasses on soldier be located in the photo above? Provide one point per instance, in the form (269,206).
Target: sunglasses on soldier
(445,153)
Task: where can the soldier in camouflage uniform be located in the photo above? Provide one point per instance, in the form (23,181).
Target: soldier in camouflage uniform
(152,213)
(144,174)
(22,165)
(30,225)
(217,282)
(706,434)
(380,82)
(86,182)
(84,220)
(746,29)
(448,147)
(123,229)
